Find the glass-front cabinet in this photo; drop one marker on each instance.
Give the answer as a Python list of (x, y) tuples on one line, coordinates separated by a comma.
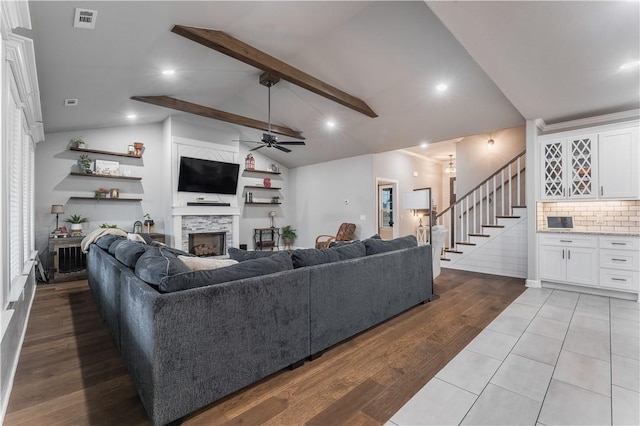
[(568, 168)]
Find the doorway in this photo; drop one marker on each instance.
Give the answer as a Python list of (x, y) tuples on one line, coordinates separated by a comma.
[(386, 218)]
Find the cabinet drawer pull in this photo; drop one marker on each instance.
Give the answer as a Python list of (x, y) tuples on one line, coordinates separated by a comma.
[(618, 260), (619, 279), (613, 243), (566, 241)]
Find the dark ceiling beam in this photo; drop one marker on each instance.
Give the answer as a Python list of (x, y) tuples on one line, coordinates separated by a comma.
[(224, 43), (216, 114)]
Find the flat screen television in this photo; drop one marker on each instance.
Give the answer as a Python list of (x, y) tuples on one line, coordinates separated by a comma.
[(206, 176)]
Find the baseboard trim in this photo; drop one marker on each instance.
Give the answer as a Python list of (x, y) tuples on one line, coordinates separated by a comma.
[(533, 283), (591, 290)]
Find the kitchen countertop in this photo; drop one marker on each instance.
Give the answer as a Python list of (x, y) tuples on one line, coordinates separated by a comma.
[(571, 231)]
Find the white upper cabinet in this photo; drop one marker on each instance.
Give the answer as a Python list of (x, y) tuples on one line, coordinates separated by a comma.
[(618, 163), (568, 168), (591, 165)]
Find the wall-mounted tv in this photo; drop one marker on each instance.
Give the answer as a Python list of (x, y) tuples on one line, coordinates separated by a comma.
[(206, 176)]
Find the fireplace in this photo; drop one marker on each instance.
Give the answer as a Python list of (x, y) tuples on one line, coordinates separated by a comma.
[(205, 244)]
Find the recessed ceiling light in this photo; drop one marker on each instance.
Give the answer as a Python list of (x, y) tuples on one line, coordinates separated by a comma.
[(424, 145), (168, 72), (441, 87), (629, 65), (331, 124), (131, 116)]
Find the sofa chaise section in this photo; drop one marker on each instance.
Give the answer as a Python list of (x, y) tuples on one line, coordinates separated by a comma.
[(189, 348)]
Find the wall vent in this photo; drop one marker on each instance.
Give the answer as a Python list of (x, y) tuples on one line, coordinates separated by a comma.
[(70, 102), (85, 18)]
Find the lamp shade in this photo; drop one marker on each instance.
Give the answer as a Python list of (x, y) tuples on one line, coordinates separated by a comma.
[(57, 208), (417, 200), (272, 213)]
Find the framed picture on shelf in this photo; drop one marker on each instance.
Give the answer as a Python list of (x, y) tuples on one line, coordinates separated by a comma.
[(111, 168)]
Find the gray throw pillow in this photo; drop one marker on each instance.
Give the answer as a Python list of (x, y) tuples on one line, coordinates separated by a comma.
[(310, 257), (375, 246), (280, 261), (114, 245), (128, 252), (157, 263), (242, 255), (105, 241)]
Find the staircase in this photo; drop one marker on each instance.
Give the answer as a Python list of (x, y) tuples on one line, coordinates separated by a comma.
[(487, 226)]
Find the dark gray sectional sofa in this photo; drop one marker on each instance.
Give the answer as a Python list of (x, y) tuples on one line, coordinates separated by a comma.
[(188, 343)]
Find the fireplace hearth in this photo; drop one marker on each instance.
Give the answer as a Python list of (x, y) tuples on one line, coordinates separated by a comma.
[(205, 244)]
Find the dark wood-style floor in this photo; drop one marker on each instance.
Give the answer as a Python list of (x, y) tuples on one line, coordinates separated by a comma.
[(70, 372)]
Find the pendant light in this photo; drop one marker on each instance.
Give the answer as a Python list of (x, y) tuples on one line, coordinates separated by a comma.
[(451, 170)]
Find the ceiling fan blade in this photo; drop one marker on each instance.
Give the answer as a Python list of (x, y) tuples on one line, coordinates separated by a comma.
[(281, 148), (292, 143), (240, 140), (257, 147)]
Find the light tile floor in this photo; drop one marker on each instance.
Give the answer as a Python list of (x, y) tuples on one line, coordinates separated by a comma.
[(551, 358)]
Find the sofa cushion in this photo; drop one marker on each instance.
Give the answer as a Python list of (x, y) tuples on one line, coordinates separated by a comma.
[(242, 255), (105, 241), (114, 245), (375, 246), (203, 263), (157, 263), (351, 251), (280, 261), (310, 257), (128, 252)]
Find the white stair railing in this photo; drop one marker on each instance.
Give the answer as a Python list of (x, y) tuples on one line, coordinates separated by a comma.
[(492, 198)]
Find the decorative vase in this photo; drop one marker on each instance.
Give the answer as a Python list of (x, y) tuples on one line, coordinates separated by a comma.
[(267, 182), (138, 148), (249, 162)]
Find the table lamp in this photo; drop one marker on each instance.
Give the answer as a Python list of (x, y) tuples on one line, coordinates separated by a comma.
[(419, 200), (57, 209), (272, 215)]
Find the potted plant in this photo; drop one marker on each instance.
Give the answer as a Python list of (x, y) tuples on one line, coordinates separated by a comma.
[(84, 163), (288, 235), (100, 193), (78, 143), (76, 222)]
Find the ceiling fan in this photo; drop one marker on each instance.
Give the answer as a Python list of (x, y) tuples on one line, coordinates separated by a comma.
[(268, 139)]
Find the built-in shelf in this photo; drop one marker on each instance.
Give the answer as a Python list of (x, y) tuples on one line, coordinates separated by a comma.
[(105, 199), (105, 176), (262, 187), (264, 203), (267, 172), (98, 151)]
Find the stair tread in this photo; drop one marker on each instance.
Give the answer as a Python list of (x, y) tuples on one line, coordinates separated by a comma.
[(465, 243), (493, 226), (453, 251), (518, 207), (507, 217), (479, 235), (445, 259)]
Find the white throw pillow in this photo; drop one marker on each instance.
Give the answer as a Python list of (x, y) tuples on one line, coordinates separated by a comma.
[(205, 263)]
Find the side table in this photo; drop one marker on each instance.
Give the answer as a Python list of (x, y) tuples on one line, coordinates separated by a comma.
[(264, 238)]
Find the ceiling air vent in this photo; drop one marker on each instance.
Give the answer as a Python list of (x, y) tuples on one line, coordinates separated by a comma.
[(85, 18), (70, 102)]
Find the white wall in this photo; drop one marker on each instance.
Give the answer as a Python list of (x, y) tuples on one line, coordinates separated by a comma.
[(319, 192), (475, 161), (54, 185), (400, 167)]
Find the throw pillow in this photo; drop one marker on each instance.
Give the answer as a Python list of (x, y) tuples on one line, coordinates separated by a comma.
[(105, 241), (310, 257), (157, 263), (114, 245), (374, 246), (204, 263), (242, 255), (128, 252), (280, 261)]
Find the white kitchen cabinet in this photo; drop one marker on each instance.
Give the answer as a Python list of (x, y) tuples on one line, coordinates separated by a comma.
[(569, 166), (618, 163), (571, 259), (620, 263)]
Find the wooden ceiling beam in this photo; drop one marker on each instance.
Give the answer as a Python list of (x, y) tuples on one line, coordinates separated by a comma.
[(216, 114), (230, 46)]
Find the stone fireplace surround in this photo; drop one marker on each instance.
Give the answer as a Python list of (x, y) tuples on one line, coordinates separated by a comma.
[(203, 219)]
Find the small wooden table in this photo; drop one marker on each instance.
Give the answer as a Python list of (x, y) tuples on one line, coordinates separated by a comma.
[(264, 238)]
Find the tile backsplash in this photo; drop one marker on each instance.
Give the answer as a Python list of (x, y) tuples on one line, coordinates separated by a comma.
[(593, 216)]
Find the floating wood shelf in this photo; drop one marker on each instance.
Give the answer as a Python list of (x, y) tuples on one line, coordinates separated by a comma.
[(105, 176), (264, 203), (268, 172), (105, 199), (261, 187), (97, 151)]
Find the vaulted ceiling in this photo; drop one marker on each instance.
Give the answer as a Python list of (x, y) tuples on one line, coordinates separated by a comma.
[(503, 62)]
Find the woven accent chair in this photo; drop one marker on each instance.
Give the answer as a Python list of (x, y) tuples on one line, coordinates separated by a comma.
[(346, 232)]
